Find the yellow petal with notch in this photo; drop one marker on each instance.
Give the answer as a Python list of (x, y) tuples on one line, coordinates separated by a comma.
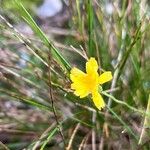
[(105, 77)]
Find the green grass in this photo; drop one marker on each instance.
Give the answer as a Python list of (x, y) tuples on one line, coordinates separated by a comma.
[(38, 110)]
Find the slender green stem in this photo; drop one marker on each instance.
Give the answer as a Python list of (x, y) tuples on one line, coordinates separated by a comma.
[(123, 123), (121, 102)]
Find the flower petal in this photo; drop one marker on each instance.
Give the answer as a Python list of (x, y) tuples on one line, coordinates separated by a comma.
[(79, 83), (77, 74), (105, 77), (91, 66), (98, 100), (81, 92)]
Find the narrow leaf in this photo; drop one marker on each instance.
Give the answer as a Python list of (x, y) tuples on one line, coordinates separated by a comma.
[(28, 18)]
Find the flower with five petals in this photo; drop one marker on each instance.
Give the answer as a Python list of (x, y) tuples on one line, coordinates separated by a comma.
[(87, 83)]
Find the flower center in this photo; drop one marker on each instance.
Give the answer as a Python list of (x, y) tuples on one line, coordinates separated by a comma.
[(91, 81)]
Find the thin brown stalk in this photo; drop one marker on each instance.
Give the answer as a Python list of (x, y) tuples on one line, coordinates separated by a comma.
[(80, 53), (52, 100)]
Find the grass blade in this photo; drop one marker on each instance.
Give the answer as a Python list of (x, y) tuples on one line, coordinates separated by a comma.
[(24, 99), (48, 138), (90, 28), (28, 18), (123, 123)]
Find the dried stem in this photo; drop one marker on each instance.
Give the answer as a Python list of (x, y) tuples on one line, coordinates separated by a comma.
[(72, 137), (52, 100)]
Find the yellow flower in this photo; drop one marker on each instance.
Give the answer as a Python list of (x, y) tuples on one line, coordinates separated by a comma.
[(88, 83)]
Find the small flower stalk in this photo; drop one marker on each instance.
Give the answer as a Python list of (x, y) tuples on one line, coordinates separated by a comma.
[(87, 83)]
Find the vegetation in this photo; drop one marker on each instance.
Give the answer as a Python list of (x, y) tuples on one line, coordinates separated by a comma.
[(38, 108)]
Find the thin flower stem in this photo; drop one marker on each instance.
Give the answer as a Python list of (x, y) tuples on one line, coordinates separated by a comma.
[(112, 90), (121, 102), (122, 122), (124, 103)]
